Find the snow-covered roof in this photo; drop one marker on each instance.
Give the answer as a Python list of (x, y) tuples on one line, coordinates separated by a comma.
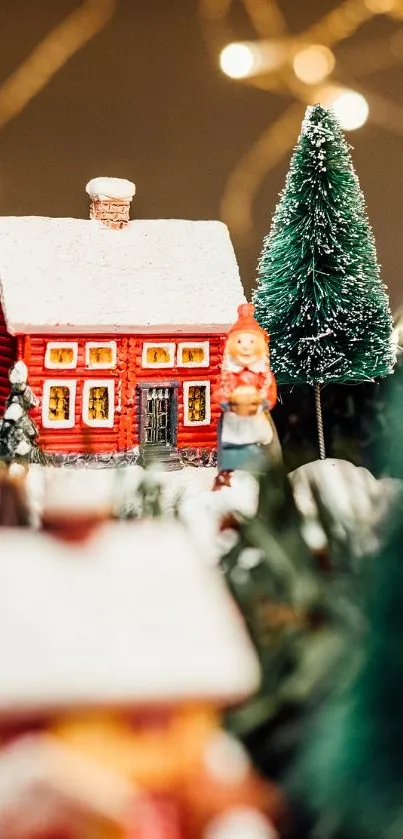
[(132, 617), (75, 275)]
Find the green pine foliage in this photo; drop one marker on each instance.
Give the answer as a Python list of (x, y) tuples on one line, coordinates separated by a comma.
[(299, 606), (350, 770), (319, 293), (352, 774)]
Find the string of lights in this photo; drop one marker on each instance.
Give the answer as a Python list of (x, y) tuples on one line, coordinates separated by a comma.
[(306, 67)]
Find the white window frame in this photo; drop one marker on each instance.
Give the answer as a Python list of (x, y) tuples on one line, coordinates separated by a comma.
[(90, 383), (197, 345), (199, 383), (158, 365), (91, 345), (47, 385), (58, 345)]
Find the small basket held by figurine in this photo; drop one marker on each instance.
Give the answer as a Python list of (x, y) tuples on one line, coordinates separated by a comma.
[(245, 401)]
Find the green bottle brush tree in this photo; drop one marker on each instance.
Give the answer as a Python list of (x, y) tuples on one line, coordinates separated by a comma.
[(319, 294)]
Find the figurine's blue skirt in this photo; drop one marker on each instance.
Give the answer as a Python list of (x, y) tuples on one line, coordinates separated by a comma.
[(240, 457), (231, 457)]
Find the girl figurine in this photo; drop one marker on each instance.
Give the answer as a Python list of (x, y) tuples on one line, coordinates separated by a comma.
[(247, 393)]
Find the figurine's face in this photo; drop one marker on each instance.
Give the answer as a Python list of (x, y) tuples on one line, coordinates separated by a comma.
[(247, 347)]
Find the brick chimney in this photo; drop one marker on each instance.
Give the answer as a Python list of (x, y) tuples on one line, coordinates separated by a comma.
[(110, 201)]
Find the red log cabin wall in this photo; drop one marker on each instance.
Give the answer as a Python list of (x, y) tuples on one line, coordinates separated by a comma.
[(133, 366), (8, 351)]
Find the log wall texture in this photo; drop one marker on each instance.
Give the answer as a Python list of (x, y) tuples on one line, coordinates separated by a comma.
[(8, 351), (127, 375)]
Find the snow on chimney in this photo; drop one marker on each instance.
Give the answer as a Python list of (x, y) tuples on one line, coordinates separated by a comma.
[(110, 201)]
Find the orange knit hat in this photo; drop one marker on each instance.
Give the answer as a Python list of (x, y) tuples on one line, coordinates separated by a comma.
[(246, 322)]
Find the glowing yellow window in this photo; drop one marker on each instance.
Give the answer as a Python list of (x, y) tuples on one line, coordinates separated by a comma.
[(101, 355), (197, 401), (193, 355), (61, 355), (157, 355), (98, 403), (59, 403)]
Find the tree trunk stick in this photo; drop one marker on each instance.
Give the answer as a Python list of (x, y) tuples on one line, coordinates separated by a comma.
[(319, 422)]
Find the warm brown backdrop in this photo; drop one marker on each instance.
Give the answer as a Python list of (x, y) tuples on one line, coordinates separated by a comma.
[(145, 100)]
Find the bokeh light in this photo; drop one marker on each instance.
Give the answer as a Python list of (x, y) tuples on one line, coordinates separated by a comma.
[(237, 60), (350, 107), (313, 64), (243, 59)]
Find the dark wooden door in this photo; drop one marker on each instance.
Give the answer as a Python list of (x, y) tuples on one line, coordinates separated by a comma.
[(158, 430), (158, 414)]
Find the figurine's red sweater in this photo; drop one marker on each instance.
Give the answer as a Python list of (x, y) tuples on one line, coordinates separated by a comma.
[(262, 380)]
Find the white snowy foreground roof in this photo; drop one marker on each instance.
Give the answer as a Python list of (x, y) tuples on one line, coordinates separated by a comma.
[(74, 275), (133, 617)]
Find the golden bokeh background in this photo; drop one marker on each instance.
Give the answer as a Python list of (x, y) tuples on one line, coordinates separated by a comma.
[(200, 102)]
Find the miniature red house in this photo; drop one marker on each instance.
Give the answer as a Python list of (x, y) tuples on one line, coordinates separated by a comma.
[(110, 698), (121, 324)]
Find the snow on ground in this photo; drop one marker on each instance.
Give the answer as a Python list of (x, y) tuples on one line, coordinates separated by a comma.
[(356, 499), (187, 490), (203, 513), (58, 486)]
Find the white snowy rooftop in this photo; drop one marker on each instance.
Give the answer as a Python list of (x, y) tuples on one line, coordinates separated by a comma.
[(133, 617), (74, 275)]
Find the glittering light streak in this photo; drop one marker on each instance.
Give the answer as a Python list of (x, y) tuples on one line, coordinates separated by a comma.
[(379, 7), (339, 24), (244, 181), (51, 54), (333, 27), (267, 18)]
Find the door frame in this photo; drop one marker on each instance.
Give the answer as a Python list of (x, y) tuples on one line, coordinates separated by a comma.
[(143, 387)]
